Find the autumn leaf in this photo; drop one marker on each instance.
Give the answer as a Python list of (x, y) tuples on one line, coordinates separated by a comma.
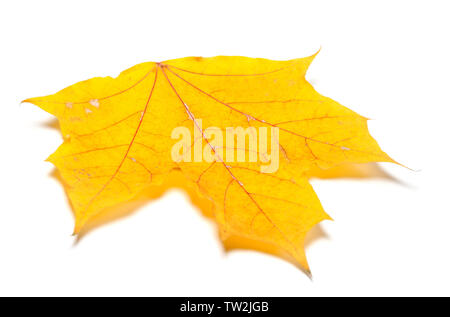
[(119, 141)]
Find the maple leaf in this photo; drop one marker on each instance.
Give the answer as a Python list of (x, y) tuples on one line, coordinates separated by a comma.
[(118, 141)]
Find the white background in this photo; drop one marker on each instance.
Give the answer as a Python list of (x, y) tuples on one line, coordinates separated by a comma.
[(387, 60)]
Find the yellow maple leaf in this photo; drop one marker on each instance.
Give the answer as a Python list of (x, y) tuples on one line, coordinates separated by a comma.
[(119, 140)]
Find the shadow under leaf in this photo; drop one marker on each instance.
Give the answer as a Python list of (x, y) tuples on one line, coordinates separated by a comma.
[(206, 207)]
